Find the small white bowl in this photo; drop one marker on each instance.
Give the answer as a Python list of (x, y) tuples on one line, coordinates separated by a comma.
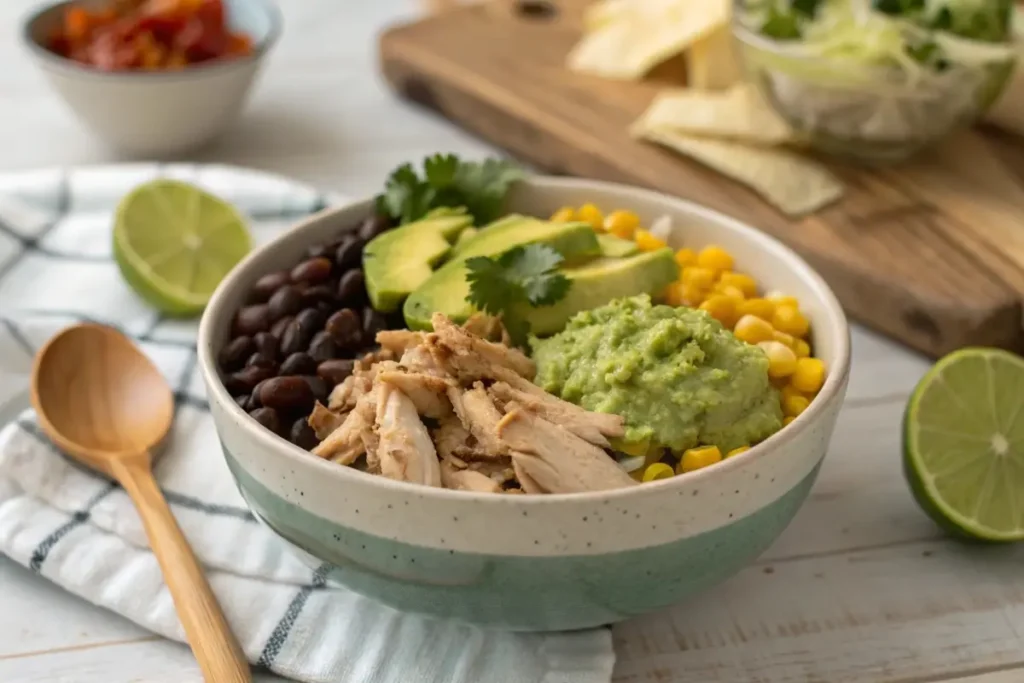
[(157, 113)]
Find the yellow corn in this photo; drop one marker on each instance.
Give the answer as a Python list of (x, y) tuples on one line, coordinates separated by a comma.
[(697, 458), (674, 294), (622, 223), (787, 339), (721, 308), (634, 448), (648, 242), (762, 308), (792, 406), (789, 390), (715, 257), (789, 319), (563, 215), (801, 348), (658, 470), (781, 359), (752, 329), (782, 300), (787, 421), (744, 282), (588, 213), (809, 375), (731, 291), (737, 451), (693, 296), (686, 257), (696, 276)]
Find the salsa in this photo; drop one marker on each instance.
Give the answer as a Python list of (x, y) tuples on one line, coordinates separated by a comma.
[(151, 35)]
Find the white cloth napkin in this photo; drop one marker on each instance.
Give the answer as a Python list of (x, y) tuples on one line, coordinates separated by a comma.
[(79, 530)]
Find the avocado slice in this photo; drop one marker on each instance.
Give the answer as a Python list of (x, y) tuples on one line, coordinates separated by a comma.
[(464, 237), (398, 261), (446, 290), (601, 280), (616, 247)]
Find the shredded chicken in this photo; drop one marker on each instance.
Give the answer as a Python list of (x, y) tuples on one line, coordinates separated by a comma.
[(345, 444), (463, 479), (488, 327), (427, 392), (405, 450), (324, 421), (462, 343), (478, 415), (399, 341), (593, 427)]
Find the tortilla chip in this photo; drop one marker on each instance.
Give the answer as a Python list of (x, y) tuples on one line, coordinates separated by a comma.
[(794, 185), (740, 113), (626, 41), (712, 63)]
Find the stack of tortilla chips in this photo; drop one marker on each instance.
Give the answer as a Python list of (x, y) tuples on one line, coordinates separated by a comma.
[(718, 119)]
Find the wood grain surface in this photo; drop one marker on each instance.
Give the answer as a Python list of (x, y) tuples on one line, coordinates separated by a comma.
[(930, 252)]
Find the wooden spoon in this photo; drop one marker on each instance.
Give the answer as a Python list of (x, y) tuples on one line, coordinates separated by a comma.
[(101, 401)]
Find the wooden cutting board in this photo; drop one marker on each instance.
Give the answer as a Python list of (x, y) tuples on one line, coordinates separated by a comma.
[(930, 252)]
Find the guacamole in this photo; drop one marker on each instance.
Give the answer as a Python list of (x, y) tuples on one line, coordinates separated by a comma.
[(675, 375)]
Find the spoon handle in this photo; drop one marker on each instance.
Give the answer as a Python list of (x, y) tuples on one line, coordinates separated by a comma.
[(213, 644)]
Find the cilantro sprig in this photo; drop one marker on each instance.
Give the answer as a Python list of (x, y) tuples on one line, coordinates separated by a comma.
[(447, 181), (523, 276)]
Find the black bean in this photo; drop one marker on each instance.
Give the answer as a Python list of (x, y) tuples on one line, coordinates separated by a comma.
[(322, 347), (278, 328), (243, 402), (262, 361), (373, 226), (268, 418), (299, 363), (318, 250), (287, 394), (243, 381), (302, 435), (318, 386), (268, 284), (295, 338), (311, 296), (286, 301), (326, 307), (350, 252), (254, 397), (267, 344), (346, 329), (310, 320), (252, 319), (373, 322), (234, 353), (334, 372), (313, 271), (352, 288)]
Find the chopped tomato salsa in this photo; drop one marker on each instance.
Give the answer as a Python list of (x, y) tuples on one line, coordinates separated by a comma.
[(148, 35)]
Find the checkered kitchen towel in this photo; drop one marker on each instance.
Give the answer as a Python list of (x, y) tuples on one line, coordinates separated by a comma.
[(79, 530)]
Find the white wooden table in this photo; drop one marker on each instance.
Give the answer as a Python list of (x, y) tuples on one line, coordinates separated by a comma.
[(861, 587)]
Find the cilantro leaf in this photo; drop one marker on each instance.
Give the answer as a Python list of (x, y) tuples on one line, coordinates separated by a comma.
[(480, 187), (522, 277)]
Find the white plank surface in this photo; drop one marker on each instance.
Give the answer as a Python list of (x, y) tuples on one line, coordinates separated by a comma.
[(861, 587)]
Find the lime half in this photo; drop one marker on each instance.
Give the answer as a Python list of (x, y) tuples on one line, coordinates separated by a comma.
[(174, 243), (963, 449)]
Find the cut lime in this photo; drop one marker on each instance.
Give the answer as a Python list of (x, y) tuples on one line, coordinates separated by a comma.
[(963, 447), (174, 243)]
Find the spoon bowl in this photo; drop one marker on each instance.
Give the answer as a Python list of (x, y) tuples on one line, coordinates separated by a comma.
[(102, 402)]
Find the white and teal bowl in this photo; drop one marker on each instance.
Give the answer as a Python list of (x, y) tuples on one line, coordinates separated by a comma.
[(536, 563)]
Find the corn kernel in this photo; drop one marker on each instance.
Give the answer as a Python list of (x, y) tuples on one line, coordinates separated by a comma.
[(563, 215), (781, 359), (588, 213), (715, 257), (703, 278), (693, 296), (674, 294), (648, 242), (801, 348), (737, 451), (752, 329), (686, 257), (731, 291), (762, 308), (634, 448), (744, 282), (789, 390), (622, 223), (697, 458), (721, 308), (809, 375), (794, 405), (790, 320), (787, 421), (780, 299), (658, 470)]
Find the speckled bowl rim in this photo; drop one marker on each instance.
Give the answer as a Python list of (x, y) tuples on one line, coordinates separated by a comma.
[(831, 391), (52, 60)]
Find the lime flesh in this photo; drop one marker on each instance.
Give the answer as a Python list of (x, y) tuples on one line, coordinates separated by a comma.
[(174, 243), (964, 444)]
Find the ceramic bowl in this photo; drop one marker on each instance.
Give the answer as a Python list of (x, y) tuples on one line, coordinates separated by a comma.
[(157, 114), (536, 563)]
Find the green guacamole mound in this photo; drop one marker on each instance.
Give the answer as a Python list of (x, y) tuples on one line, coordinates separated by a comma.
[(676, 376)]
